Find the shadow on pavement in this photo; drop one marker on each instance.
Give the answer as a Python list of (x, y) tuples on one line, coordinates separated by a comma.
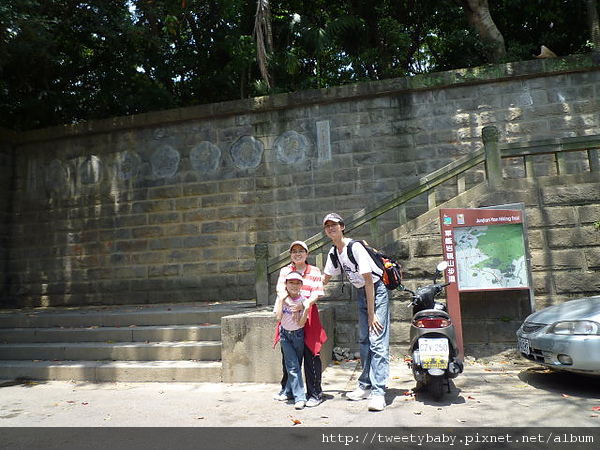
[(572, 384), (21, 381)]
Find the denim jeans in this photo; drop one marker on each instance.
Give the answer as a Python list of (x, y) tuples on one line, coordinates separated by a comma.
[(374, 348), (292, 344)]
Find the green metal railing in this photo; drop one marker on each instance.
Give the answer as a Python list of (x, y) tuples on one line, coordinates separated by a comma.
[(490, 155)]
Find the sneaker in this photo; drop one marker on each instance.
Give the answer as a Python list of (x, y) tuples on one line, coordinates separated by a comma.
[(281, 397), (299, 405), (313, 401), (359, 394), (377, 403)]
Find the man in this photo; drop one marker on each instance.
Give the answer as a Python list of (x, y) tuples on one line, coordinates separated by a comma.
[(373, 311)]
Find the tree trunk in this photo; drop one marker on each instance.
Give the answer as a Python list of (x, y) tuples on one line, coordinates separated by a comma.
[(593, 23), (264, 40), (478, 16)]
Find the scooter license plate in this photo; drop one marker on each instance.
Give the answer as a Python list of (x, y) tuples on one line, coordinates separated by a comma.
[(434, 353)]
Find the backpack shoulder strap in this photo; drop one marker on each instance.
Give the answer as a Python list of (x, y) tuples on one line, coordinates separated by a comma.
[(349, 252), (335, 260)]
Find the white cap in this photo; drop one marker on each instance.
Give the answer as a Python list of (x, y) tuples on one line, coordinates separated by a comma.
[(294, 276), (301, 244), (333, 217)]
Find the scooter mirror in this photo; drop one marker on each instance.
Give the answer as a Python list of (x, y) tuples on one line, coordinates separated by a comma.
[(442, 266)]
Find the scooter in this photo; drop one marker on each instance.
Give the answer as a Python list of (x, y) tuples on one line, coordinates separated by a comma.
[(433, 343)]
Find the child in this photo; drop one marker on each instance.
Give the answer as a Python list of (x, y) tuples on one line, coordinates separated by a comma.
[(292, 315)]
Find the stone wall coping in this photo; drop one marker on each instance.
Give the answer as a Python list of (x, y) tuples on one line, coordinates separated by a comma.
[(351, 92)]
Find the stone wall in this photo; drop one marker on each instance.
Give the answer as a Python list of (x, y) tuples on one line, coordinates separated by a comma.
[(6, 179), (168, 206), (563, 243)]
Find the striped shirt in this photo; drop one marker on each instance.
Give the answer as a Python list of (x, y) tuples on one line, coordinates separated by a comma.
[(312, 280)]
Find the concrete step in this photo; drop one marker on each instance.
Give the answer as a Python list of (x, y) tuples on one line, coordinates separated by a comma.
[(204, 332), (115, 351), (113, 371), (121, 316), (168, 342)]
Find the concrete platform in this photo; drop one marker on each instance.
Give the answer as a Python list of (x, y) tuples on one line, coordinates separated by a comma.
[(488, 394)]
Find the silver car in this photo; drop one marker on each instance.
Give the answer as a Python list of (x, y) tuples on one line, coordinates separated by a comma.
[(565, 336)]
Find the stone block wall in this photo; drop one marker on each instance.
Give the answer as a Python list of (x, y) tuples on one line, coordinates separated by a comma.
[(561, 215), (168, 206), (6, 180)]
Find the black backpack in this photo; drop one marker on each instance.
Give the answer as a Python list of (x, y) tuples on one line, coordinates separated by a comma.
[(392, 271)]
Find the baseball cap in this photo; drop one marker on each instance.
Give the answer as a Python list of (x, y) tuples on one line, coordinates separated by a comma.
[(333, 217), (301, 244), (294, 276)]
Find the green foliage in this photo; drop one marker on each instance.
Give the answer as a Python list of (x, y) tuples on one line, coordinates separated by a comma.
[(67, 61)]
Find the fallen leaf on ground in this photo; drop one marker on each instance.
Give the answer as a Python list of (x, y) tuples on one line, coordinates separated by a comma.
[(417, 413), (565, 395), (596, 408), (296, 421)]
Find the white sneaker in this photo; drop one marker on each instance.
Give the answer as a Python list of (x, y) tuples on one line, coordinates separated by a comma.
[(313, 402), (299, 405), (280, 397), (359, 394), (377, 403)]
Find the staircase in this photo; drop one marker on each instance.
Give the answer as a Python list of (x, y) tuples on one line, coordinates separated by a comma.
[(135, 343)]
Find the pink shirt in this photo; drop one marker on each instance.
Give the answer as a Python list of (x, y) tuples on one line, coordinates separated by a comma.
[(289, 318)]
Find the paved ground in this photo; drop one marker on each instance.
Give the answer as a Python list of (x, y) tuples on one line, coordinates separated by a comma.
[(511, 393)]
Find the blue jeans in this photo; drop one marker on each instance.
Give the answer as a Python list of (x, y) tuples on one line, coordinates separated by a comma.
[(292, 344), (374, 348)]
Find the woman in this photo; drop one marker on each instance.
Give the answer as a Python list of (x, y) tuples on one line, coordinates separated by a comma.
[(314, 334)]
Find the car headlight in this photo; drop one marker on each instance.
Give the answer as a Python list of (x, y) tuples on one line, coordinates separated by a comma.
[(585, 327)]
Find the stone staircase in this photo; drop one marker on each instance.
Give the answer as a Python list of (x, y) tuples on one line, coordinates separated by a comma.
[(135, 343)]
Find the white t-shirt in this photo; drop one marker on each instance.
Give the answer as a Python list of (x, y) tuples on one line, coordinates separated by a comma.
[(364, 264)]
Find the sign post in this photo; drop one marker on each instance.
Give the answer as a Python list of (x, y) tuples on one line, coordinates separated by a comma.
[(485, 251)]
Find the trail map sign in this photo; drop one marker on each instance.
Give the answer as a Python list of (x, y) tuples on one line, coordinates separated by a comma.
[(490, 257), (485, 250)]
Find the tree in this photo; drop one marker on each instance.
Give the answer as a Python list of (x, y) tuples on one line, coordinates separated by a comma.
[(479, 16), (67, 61), (264, 39), (593, 23)]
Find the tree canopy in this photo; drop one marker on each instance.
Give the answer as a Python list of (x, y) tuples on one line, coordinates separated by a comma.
[(67, 61)]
